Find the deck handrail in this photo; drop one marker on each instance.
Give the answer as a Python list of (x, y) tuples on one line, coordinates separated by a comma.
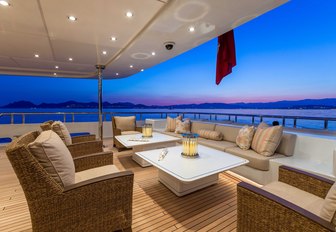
[(196, 115)]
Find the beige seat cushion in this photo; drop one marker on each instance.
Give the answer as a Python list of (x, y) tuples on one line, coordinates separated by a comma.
[(95, 172), (287, 144), (182, 127), (53, 155), (266, 139), (245, 136), (328, 210), (171, 134), (125, 123), (305, 200), (59, 128), (229, 132), (171, 123), (257, 161), (130, 132), (219, 145), (196, 126), (210, 134)]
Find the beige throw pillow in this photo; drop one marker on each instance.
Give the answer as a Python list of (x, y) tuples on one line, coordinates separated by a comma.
[(182, 127), (53, 155), (245, 136), (266, 139), (329, 207), (59, 128), (125, 123), (171, 123), (209, 134)]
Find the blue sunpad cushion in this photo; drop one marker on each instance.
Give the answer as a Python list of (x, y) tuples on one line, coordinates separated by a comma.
[(5, 140), (79, 134)]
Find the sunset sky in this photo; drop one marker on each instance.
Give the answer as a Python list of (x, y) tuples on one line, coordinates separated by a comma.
[(286, 54)]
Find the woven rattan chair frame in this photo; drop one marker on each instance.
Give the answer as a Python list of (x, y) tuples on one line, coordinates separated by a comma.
[(98, 204), (259, 210)]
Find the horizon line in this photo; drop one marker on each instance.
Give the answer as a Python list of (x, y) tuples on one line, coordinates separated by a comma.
[(169, 104)]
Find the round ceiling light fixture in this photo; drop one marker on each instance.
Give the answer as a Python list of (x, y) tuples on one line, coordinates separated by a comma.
[(113, 38), (104, 52), (153, 53), (199, 9), (4, 3), (70, 59), (131, 66), (55, 74), (141, 56), (36, 55), (56, 67), (142, 70), (117, 74), (72, 18)]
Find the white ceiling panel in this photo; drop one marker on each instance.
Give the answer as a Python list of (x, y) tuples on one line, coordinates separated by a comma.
[(14, 44), (97, 20), (50, 65), (79, 52), (7, 62), (24, 17)]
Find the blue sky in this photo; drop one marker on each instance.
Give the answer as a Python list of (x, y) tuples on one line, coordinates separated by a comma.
[(286, 54)]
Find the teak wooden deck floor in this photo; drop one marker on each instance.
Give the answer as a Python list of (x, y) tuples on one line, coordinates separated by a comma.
[(155, 208)]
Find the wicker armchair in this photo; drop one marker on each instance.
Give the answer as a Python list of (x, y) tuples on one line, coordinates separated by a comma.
[(103, 203), (260, 210), (118, 131), (75, 139), (81, 145)]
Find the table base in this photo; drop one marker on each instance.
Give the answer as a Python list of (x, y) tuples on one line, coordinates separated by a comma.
[(181, 188)]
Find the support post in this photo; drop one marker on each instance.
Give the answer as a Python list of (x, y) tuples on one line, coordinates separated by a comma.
[(100, 100), (325, 124)]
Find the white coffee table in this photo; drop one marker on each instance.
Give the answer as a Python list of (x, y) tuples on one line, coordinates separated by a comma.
[(184, 175), (157, 141)]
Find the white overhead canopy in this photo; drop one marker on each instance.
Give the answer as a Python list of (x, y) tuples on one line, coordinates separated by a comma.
[(42, 27)]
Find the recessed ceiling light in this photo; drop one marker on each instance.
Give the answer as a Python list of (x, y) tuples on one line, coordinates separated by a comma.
[(56, 67), (113, 38), (37, 55), (131, 66), (117, 74), (4, 3), (70, 59), (55, 74), (72, 18), (153, 53), (129, 14), (104, 52), (142, 70), (191, 29)]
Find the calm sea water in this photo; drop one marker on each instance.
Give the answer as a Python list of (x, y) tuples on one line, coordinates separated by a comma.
[(156, 113)]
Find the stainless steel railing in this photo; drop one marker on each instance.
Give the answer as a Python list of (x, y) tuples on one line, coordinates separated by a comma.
[(323, 123)]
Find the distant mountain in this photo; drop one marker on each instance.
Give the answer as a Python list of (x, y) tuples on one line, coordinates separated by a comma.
[(68, 104), (299, 104), (20, 104), (73, 104), (327, 103)]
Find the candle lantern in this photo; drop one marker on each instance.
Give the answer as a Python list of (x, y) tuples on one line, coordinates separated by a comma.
[(189, 145), (147, 130)]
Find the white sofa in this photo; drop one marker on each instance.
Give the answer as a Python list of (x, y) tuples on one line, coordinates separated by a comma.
[(308, 152)]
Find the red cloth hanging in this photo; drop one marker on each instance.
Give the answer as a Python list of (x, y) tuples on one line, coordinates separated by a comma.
[(226, 55)]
